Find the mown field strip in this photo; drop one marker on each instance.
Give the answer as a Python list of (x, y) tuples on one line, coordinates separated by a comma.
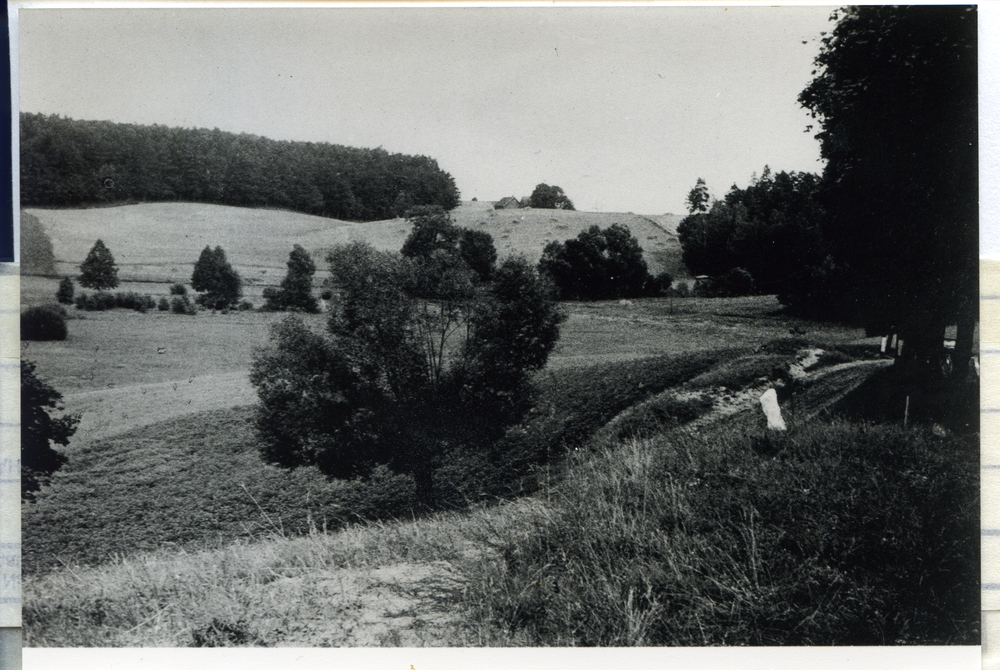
[(114, 411)]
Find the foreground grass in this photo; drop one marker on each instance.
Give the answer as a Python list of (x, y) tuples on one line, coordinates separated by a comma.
[(242, 594), (834, 533)]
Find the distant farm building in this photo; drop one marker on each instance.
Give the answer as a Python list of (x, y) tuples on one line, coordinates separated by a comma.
[(510, 202)]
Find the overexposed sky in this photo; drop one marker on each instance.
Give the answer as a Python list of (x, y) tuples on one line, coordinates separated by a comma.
[(623, 107)]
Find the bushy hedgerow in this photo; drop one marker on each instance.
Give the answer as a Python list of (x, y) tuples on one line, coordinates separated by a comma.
[(45, 322), (103, 301)]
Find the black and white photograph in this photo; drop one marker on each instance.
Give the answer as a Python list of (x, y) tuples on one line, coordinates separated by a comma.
[(499, 326)]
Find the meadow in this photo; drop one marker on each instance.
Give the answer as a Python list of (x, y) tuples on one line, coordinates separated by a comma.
[(641, 502), (160, 242)]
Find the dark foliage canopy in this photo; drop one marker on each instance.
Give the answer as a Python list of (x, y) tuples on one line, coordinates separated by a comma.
[(435, 233), (98, 270), (43, 322), (216, 280), (597, 265), (550, 197), (433, 230), (477, 249), (40, 430), (295, 292), (771, 229), (65, 292), (418, 361), (896, 94), (71, 163)]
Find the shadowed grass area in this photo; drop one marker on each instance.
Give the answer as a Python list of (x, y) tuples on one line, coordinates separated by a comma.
[(192, 482)]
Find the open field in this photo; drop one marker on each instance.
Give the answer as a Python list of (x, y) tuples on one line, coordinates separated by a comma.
[(110, 370), (160, 242)]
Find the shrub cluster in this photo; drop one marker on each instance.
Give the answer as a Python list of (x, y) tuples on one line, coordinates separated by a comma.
[(103, 300), (599, 265), (46, 322), (183, 305), (735, 282)]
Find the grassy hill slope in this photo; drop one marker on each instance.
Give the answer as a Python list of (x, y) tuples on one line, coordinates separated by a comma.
[(161, 241)]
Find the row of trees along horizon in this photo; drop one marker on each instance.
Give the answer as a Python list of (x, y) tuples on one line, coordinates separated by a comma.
[(66, 162), (886, 237)]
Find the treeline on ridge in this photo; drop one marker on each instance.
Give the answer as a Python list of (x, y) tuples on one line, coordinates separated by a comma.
[(66, 162)]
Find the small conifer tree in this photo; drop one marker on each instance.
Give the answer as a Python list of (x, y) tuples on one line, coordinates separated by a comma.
[(65, 292), (98, 271)]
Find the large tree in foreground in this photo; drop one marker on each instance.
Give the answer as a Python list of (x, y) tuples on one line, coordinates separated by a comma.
[(419, 361), (896, 94)]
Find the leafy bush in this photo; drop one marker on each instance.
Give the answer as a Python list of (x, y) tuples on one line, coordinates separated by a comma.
[(414, 348), (45, 322), (245, 306), (65, 292), (178, 289), (598, 265), (549, 197), (98, 270), (218, 284), (163, 305), (182, 305)]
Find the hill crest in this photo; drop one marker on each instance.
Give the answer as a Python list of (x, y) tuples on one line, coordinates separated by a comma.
[(161, 241)]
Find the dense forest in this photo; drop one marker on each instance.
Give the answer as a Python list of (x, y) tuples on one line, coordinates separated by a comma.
[(65, 162)]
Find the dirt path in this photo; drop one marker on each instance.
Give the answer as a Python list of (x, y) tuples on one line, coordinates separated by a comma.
[(119, 409), (402, 605)]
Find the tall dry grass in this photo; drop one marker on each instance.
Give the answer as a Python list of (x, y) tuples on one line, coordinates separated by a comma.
[(835, 533)]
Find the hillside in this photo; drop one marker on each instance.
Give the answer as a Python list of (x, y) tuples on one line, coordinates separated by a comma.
[(160, 242)]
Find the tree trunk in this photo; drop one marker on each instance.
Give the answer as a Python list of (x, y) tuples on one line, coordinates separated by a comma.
[(963, 345)]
